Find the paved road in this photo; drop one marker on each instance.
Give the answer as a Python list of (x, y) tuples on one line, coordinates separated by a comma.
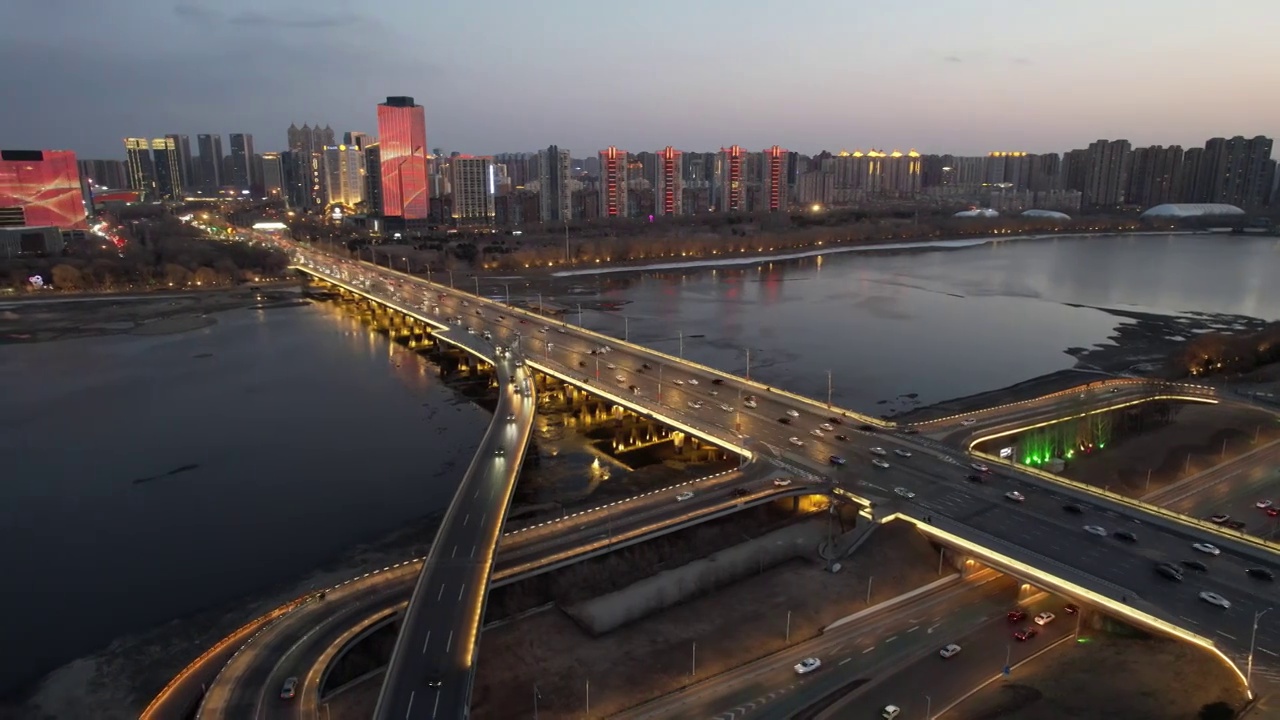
[(1233, 488), (928, 683), (850, 652)]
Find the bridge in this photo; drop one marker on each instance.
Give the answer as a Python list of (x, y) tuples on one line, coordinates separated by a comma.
[(744, 417)]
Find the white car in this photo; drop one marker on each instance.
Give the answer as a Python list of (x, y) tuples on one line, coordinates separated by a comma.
[(1044, 618), (686, 495), (1207, 549), (949, 651), (890, 712), (979, 467), (693, 381), (793, 413), (695, 404), (611, 366), (1096, 530), (968, 421), (904, 493), (679, 382), (816, 433), (782, 482), (879, 463), (829, 427), (902, 453), (619, 378), (1015, 496), (796, 441), (751, 404), (1215, 599), (544, 330), (808, 665), (1262, 504), (878, 451), (726, 408)]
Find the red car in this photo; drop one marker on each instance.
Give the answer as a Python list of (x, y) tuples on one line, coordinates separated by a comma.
[(1273, 512), (1026, 633), (1017, 616), (1071, 609)]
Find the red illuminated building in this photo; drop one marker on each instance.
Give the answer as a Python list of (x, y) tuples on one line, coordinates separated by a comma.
[(402, 141), (41, 188), (613, 182), (775, 179), (732, 162), (670, 190)]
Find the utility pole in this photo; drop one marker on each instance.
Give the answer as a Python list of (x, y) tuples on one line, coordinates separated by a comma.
[(748, 363), (681, 335), (1253, 639), (828, 389), (788, 627)]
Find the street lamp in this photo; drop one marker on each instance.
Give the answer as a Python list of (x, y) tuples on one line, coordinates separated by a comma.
[(579, 315), (477, 279), (539, 303), (508, 289), (1253, 639), (450, 278), (428, 272), (681, 335), (928, 708), (828, 389)]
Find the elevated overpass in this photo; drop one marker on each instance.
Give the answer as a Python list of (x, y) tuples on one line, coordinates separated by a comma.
[(715, 405)]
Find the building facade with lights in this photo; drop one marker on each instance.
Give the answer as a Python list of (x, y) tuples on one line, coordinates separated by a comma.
[(613, 182), (473, 181), (41, 188), (344, 173), (731, 179), (166, 163), (669, 188), (402, 142), (774, 179)]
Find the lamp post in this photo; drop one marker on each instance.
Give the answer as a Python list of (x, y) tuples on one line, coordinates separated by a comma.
[(681, 335), (928, 708), (539, 303), (450, 279), (535, 701), (626, 329), (579, 314), (428, 272), (788, 627), (873, 577), (828, 389), (1253, 639), (748, 363), (477, 279), (407, 271), (507, 288)]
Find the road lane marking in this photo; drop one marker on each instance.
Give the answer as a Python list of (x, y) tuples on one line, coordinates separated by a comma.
[(895, 637), (441, 593), (409, 709), (1232, 637), (465, 519), (473, 551), (1269, 652), (873, 647), (436, 706), (932, 628), (455, 552), (449, 645), (460, 589), (424, 643), (845, 660), (917, 627)]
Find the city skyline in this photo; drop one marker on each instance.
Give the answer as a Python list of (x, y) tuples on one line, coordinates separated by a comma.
[(940, 85)]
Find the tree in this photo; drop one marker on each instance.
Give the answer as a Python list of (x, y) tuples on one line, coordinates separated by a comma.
[(1217, 711), (206, 277), (66, 277)]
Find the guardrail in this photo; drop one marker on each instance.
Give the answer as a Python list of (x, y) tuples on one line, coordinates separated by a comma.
[(1190, 522)]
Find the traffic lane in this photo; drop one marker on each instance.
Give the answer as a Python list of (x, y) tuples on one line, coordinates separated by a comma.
[(1238, 501), (984, 653), (750, 682), (1230, 481), (299, 660)]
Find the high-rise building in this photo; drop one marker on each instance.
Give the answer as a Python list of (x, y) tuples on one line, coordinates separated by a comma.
[(137, 152), (613, 182), (167, 165), (241, 161), (1155, 176), (730, 179), (273, 178), (210, 147), (40, 188), (669, 189), (1106, 173), (1238, 171), (774, 176), (344, 172), (473, 182), (104, 173), (554, 196), (356, 139), (182, 144), (402, 138), (373, 179)]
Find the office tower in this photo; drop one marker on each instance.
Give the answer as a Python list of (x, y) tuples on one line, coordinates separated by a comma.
[(356, 139), (241, 161), (344, 175), (1238, 171), (167, 166), (613, 182), (273, 177), (41, 188), (473, 182), (402, 138), (104, 173), (729, 179), (1106, 173), (210, 164), (373, 179), (554, 198), (182, 145), (138, 159), (669, 190), (774, 177)]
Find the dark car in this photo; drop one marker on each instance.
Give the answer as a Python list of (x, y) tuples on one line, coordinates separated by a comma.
[(868, 428), (842, 438), (834, 420), (717, 381), (1026, 633), (1260, 574), (1166, 570), (1235, 524), (836, 460), (646, 366), (1195, 565), (911, 431), (582, 363), (1124, 535), (741, 492), (1016, 616), (973, 477), (784, 420), (432, 680), (1073, 509), (1071, 609)]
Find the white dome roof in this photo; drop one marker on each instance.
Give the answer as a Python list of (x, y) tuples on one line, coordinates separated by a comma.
[(1046, 214), (977, 213), (1192, 210)]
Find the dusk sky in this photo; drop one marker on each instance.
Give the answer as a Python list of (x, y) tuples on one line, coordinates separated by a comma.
[(511, 75)]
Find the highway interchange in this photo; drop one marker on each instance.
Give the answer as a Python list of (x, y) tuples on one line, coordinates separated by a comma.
[(934, 473)]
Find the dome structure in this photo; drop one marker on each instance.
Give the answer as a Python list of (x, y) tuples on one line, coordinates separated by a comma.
[(1047, 214), (977, 213), (1186, 210)]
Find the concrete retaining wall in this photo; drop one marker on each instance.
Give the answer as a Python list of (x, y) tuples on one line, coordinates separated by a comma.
[(671, 587)]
